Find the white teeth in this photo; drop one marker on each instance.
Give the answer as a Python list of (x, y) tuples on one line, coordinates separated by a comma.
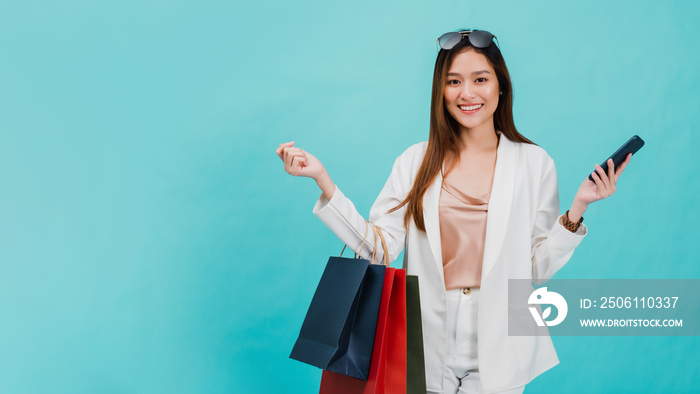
[(470, 107)]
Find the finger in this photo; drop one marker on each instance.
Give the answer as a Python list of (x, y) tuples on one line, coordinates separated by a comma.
[(279, 152), (597, 181), (611, 176), (287, 152), (281, 148), (602, 191), (288, 157), (290, 154), (296, 165), (603, 176)]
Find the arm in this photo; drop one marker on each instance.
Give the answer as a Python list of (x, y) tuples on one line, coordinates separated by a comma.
[(552, 244), (300, 163), (340, 214), (552, 249), (326, 185)]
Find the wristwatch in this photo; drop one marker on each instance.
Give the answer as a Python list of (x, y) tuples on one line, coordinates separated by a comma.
[(569, 225)]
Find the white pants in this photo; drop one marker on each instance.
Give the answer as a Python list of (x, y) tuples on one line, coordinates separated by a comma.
[(462, 363)]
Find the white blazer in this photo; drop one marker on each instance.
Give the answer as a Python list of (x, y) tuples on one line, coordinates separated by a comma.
[(524, 240)]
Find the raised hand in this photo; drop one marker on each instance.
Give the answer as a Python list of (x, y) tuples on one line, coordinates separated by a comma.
[(603, 185), (298, 162)]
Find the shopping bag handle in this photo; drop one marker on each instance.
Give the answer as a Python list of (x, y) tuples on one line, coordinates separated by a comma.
[(377, 232), (363, 242)]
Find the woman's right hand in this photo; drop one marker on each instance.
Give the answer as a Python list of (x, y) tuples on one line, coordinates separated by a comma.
[(298, 162)]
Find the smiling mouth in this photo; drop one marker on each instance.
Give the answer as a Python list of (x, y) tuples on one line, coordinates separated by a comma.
[(470, 107)]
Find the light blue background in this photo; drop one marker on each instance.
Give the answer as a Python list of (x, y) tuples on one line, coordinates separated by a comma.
[(150, 241)]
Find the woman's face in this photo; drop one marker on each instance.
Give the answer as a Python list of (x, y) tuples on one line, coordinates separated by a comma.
[(471, 90)]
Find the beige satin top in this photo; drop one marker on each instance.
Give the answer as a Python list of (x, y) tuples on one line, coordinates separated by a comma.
[(462, 234)]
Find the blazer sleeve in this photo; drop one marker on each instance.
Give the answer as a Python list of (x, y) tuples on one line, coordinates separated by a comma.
[(341, 216), (552, 244)]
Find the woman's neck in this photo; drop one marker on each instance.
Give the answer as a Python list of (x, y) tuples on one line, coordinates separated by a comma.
[(482, 139)]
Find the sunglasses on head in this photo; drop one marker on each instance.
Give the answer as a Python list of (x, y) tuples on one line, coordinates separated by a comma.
[(478, 39)]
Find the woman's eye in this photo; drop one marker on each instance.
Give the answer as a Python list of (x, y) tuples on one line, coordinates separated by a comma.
[(480, 80), (452, 82)]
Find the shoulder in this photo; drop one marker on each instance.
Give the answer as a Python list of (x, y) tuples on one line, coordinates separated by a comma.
[(533, 161), (412, 155), (533, 154), (415, 150), (407, 164)]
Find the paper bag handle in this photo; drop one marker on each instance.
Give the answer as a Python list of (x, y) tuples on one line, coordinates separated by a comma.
[(377, 232)]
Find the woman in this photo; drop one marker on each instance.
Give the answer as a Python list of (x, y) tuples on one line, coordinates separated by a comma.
[(475, 205)]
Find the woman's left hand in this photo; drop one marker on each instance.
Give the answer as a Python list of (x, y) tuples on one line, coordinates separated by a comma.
[(603, 184)]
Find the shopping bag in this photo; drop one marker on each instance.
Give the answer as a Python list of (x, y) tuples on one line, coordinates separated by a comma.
[(387, 374), (395, 366), (415, 367), (339, 327)]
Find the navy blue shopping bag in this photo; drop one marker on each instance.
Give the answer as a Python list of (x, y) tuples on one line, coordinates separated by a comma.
[(338, 331)]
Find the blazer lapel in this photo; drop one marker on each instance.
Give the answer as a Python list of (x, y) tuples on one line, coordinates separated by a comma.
[(498, 212), (431, 216), (499, 203)]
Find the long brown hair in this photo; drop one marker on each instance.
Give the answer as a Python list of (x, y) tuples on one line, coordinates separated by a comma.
[(444, 131)]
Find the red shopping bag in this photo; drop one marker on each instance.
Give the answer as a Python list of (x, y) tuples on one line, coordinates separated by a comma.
[(387, 370)]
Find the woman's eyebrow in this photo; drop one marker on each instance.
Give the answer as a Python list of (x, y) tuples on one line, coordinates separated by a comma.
[(454, 74)]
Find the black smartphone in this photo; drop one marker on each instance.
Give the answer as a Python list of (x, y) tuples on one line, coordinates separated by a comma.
[(631, 146)]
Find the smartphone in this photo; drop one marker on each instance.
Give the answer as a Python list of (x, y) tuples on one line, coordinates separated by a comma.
[(631, 146)]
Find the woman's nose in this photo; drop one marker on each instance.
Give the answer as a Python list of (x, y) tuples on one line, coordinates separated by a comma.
[(468, 91)]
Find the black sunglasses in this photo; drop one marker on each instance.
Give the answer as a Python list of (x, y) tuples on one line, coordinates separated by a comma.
[(478, 38)]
